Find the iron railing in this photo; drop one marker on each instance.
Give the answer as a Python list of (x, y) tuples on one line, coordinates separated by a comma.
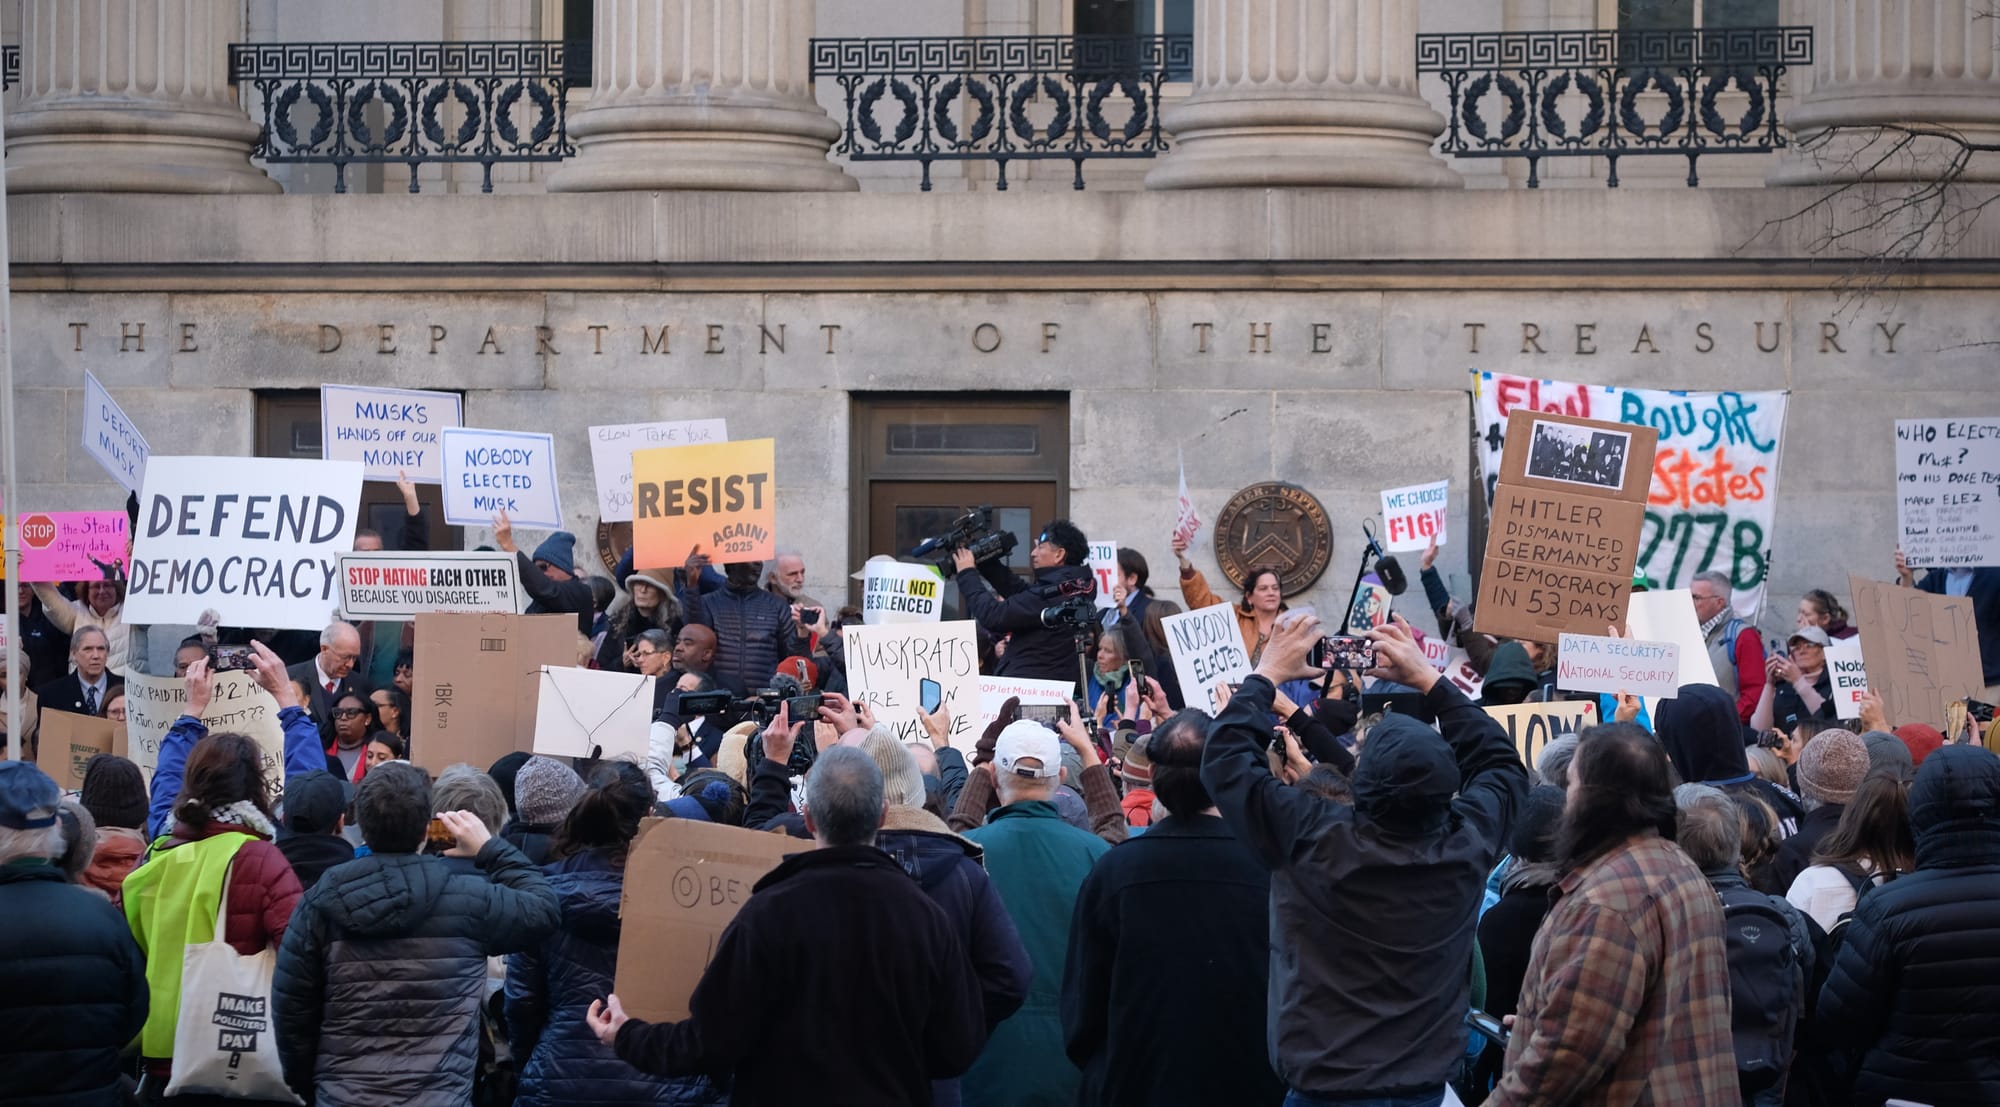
[(10, 65), (1002, 98), (410, 103), (1614, 94)]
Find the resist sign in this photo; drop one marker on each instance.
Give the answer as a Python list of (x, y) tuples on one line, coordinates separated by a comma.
[(1208, 652), (259, 541), (719, 498), (1412, 516), (387, 430), (487, 472)]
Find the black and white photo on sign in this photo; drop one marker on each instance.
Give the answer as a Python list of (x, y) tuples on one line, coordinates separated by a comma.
[(1578, 455)]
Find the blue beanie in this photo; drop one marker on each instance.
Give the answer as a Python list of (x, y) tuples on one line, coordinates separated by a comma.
[(559, 550)]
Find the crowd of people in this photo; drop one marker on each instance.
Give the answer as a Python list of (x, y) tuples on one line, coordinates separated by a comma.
[(1298, 897)]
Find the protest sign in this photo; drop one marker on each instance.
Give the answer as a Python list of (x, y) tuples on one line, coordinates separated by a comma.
[(1669, 617), (888, 665), (257, 541), (1712, 498), (1104, 566), (1565, 527), (994, 692), (1207, 646), (721, 499), (237, 703), (1850, 675), (1921, 650), (475, 691), (1531, 726), (487, 472), (590, 712), (1187, 520), (1459, 671), (1948, 491), (390, 431), (611, 456), (897, 592), (74, 545), (112, 438), (1414, 515), (68, 741), (684, 881), (1593, 663), (1371, 609), (395, 584)]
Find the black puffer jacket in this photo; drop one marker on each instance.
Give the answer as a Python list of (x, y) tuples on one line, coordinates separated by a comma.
[(754, 630), (1002, 605), (1916, 984), (72, 991), (383, 970)]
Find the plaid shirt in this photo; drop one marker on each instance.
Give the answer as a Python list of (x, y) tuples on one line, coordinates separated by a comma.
[(1626, 999)]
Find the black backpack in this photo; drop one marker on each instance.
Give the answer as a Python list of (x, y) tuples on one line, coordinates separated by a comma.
[(1766, 987)]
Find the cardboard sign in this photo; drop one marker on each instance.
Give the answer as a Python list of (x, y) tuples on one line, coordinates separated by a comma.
[(994, 692), (684, 881), (1948, 491), (611, 456), (898, 592), (578, 710), (1921, 650), (1564, 534), (1207, 646), (476, 688), (74, 545), (1533, 725), (395, 585), (390, 431), (1592, 663), (259, 541), (237, 704), (1412, 516), (887, 665), (487, 472), (69, 741), (111, 437), (1104, 564), (721, 499), (1850, 675), (1459, 671)]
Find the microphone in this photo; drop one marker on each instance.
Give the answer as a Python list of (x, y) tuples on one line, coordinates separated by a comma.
[(1386, 567)]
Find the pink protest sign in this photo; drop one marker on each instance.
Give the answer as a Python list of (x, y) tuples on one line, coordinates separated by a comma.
[(74, 545)]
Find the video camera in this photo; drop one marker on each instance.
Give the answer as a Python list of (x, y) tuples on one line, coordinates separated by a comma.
[(974, 531), (761, 705), (1078, 613)]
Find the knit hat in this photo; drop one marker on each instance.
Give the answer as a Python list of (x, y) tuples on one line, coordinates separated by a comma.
[(1138, 768), (114, 792), (800, 669), (559, 550), (1887, 753), (1922, 738), (544, 790), (1832, 765), (702, 807), (503, 773)]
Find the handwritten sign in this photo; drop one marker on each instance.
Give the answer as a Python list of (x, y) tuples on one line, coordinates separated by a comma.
[(388, 430), (897, 592), (1208, 651), (588, 712), (487, 472), (1104, 565), (74, 545), (1921, 650), (887, 665), (721, 498), (611, 456), (112, 438), (238, 704), (1592, 663), (1459, 671), (1531, 726), (68, 741), (1850, 676), (396, 585), (1712, 498), (257, 542), (684, 881), (1414, 515), (1948, 491)]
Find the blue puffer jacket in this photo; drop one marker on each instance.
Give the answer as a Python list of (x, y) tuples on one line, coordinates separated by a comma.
[(754, 630), (551, 986)]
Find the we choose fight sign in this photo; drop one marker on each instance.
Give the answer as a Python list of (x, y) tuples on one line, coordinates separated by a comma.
[(258, 541)]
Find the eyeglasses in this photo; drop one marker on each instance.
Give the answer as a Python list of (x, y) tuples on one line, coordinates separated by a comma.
[(348, 712), (646, 653)]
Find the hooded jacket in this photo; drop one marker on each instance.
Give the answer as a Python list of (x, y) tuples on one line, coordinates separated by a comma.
[(1915, 985), (1510, 665), (383, 969), (1704, 739), (1373, 906), (72, 991), (1003, 605), (754, 630)]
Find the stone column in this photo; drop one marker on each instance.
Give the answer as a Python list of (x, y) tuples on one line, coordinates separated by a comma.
[(129, 96), (1919, 63), (702, 94), (1303, 93)]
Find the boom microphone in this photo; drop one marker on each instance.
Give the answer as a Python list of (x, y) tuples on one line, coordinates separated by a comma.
[(1386, 566)]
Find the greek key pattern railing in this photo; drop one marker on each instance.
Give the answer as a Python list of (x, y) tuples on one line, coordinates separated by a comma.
[(1001, 98), (10, 65), (410, 103), (1613, 94)]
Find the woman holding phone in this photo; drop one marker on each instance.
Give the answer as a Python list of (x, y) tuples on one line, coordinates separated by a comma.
[(1799, 686)]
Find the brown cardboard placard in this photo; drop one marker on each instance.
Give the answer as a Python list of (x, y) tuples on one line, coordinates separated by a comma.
[(1533, 725), (684, 882), (1921, 650), (1565, 531), (474, 692), (69, 741), (1565, 453)]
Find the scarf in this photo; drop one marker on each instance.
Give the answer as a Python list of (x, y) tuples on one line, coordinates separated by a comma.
[(243, 813), (1721, 617), (1113, 680)]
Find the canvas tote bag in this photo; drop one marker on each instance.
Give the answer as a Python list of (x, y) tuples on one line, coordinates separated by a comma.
[(225, 1039)]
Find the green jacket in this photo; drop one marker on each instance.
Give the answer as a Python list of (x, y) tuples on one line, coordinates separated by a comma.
[(171, 902), (1038, 862)]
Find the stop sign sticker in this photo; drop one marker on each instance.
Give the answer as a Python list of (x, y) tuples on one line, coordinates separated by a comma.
[(38, 532)]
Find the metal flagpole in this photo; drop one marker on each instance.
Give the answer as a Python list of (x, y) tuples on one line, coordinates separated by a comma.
[(12, 506)]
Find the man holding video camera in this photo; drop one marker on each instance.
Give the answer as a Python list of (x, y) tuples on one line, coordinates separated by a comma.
[(1042, 617)]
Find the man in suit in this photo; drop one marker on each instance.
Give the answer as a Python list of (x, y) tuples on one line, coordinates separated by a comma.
[(1982, 587), (84, 689), (326, 676)]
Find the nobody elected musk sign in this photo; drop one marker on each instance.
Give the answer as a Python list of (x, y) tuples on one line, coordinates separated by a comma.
[(258, 541)]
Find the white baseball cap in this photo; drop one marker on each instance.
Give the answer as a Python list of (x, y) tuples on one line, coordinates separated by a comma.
[(1024, 739)]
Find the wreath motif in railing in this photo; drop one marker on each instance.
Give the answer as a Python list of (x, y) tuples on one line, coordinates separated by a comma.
[(289, 99), (1593, 118), (1628, 111), (434, 130), (357, 121), (1753, 116), (982, 124), (1017, 113), (904, 96), (545, 119), (1517, 106), (1094, 111)]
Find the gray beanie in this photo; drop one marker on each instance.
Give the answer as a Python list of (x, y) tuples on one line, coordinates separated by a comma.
[(544, 791), (1887, 753)]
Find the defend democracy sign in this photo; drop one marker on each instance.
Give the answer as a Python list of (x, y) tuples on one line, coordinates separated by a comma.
[(1592, 663), (112, 438), (74, 545), (719, 498), (1948, 491), (611, 456), (258, 541), (388, 430), (487, 472), (1712, 500), (392, 584), (888, 665), (1207, 646), (897, 592), (1412, 516)]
